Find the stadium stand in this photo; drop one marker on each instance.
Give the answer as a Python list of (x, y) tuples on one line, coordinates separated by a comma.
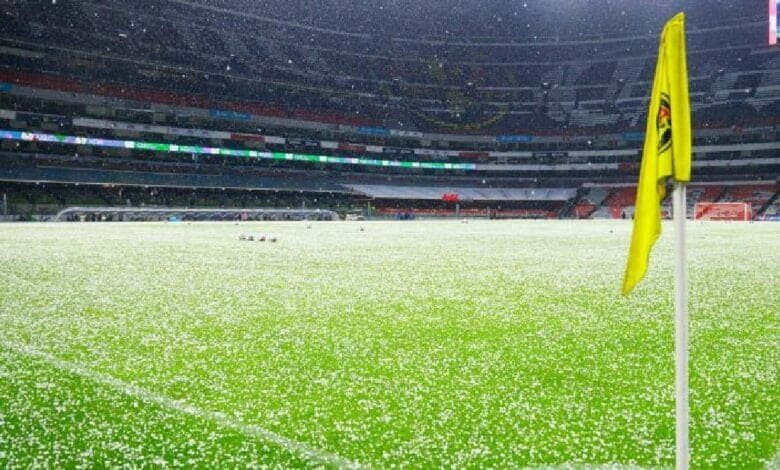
[(125, 95), (757, 195), (621, 201)]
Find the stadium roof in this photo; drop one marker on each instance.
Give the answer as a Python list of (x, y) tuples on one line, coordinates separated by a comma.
[(517, 19)]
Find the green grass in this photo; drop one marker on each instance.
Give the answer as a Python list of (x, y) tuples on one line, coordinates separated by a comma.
[(424, 344)]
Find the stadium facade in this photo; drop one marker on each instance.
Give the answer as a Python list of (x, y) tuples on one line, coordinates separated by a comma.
[(197, 104)]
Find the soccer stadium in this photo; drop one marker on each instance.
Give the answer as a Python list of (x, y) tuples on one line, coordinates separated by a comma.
[(391, 234)]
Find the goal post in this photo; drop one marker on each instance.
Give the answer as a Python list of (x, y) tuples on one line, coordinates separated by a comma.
[(723, 211)]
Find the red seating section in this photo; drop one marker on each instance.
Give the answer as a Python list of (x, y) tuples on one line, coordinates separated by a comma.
[(55, 82)]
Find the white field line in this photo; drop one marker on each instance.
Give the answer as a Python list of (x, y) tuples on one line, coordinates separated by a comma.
[(251, 430), (299, 448)]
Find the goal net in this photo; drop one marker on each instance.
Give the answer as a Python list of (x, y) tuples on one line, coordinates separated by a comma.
[(722, 211)]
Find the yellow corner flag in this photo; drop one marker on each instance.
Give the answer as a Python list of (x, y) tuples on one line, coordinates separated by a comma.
[(667, 149)]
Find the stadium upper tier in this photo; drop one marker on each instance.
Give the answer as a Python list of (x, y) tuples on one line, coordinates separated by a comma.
[(41, 113), (64, 134), (248, 63)]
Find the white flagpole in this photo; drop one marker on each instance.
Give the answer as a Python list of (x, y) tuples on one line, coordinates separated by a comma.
[(681, 327)]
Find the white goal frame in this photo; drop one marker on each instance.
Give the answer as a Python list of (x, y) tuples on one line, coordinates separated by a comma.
[(743, 211)]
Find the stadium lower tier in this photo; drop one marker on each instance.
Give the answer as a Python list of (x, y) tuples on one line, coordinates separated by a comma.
[(410, 209), (41, 200)]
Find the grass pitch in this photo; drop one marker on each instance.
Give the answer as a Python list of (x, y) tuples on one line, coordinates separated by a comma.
[(423, 344)]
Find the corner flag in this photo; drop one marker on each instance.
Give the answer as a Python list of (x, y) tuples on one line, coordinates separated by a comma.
[(667, 149)]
